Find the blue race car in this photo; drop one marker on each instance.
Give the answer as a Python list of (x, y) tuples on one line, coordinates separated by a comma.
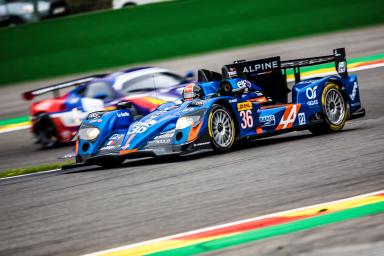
[(248, 100)]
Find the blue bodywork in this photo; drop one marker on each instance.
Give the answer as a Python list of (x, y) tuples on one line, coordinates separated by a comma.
[(255, 114)]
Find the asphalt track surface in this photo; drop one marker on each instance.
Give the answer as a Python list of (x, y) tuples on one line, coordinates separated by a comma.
[(17, 148), (91, 209)]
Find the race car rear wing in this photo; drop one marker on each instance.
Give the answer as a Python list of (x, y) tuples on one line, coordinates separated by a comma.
[(271, 73), (338, 57), (29, 95)]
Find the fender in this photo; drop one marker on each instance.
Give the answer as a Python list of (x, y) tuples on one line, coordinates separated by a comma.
[(108, 123), (309, 92)]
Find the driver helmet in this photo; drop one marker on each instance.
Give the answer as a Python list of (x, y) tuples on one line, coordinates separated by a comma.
[(192, 91)]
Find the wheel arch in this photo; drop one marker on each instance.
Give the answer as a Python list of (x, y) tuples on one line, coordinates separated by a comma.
[(343, 91)]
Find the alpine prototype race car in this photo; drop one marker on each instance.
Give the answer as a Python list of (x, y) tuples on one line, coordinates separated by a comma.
[(248, 100), (57, 120)]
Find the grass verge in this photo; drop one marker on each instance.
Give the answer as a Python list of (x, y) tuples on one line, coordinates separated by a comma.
[(34, 169), (115, 38)]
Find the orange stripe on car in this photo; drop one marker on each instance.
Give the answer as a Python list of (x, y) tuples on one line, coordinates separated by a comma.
[(129, 140), (259, 100), (77, 146), (194, 132), (125, 152)]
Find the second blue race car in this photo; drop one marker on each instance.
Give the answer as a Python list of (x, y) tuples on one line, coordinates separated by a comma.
[(248, 100)]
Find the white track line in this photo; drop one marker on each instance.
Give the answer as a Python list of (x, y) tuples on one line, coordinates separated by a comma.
[(30, 174), (194, 232)]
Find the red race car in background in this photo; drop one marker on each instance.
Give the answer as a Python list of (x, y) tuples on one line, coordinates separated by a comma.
[(56, 120)]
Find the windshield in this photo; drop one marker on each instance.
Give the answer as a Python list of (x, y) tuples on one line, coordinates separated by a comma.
[(99, 90), (151, 82)]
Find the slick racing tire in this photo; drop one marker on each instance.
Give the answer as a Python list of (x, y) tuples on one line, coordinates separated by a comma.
[(45, 132), (334, 108), (221, 128)]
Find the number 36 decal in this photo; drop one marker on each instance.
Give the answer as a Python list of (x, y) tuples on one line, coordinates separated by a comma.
[(247, 119)]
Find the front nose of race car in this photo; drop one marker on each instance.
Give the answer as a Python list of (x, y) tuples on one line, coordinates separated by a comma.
[(169, 133), (101, 132)]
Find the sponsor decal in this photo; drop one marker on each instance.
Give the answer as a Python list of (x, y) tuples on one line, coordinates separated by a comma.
[(116, 137), (122, 114), (164, 135), (94, 115), (244, 83), (244, 106), (354, 91), (107, 148), (289, 116), (165, 138), (311, 96), (341, 67), (163, 141), (355, 104), (308, 81), (311, 92), (233, 101), (188, 109), (261, 67), (138, 127), (267, 120), (246, 119), (302, 119), (197, 103), (96, 121)]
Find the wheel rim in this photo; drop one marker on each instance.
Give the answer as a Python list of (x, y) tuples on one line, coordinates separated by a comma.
[(222, 130), (334, 107)]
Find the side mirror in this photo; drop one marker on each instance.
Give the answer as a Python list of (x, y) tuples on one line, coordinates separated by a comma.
[(124, 105)]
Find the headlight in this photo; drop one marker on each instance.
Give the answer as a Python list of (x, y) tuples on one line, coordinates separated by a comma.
[(89, 133), (187, 121)]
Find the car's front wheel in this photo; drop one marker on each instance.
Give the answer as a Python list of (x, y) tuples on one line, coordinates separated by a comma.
[(221, 128)]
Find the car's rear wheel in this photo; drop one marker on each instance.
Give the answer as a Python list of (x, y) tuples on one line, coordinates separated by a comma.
[(221, 128), (45, 132), (334, 110)]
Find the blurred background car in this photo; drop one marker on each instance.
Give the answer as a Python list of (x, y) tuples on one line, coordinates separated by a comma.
[(14, 12), (117, 4), (56, 120)]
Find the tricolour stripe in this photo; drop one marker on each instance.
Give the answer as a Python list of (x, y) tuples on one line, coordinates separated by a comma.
[(265, 226)]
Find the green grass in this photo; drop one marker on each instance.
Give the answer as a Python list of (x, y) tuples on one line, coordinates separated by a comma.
[(33, 169), (116, 38)]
